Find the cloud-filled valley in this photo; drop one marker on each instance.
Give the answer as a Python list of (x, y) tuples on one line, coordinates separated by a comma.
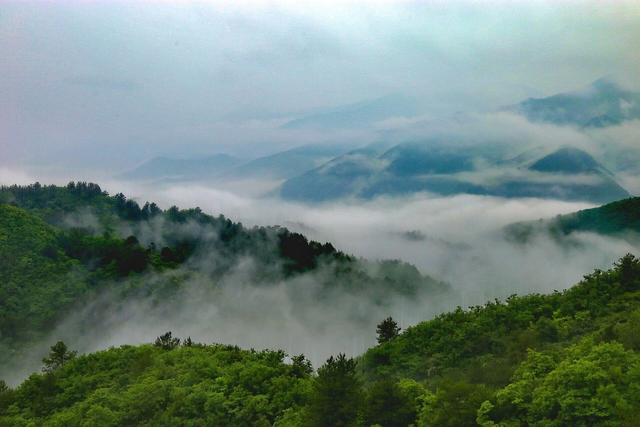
[(454, 233), (457, 239), (328, 213)]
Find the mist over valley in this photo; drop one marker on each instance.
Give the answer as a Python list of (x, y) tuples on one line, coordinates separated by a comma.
[(329, 214)]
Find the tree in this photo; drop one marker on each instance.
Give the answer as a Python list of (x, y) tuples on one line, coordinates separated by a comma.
[(454, 404), (166, 341), (590, 384), (301, 366), (58, 356), (389, 405), (6, 396), (628, 268), (336, 394), (167, 255), (387, 330)]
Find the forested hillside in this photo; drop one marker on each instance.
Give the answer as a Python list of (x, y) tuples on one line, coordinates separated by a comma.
[(619, 219), (62, 248), (568, 358)]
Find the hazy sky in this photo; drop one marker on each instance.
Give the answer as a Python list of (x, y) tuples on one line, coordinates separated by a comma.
[(108, 84)]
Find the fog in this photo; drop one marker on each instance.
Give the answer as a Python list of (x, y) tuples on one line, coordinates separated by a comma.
[(103, 85), (459, 240), (92, 89)]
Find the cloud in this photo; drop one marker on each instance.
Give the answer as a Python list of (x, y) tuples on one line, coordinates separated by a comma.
[(460, 241), (12, 176), (151, 78), (90, 89), (102, 83), (464, 243)]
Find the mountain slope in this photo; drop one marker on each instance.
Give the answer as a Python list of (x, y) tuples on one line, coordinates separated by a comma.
[(620, 219), (74, 258), (602, 104), (285, 164), (161, 168), (567, 160), (567, 358), (498, 363), (149, 385), (341, 177), (35, 276), (565, 174)]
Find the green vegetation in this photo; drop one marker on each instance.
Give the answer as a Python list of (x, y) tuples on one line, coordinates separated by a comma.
[(148, 385), (613, 218), (63, 246), (387, 330), (566, 358), (37, 277), (115, 231), (45, 270), (620, 219)]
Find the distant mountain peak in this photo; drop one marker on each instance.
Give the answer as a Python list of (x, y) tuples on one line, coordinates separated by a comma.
[(163, 167), (603, 103), (605, 83), (567, 159)]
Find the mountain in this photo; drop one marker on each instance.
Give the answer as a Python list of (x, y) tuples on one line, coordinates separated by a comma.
[(566, 358), (531, 360), (568, 160), (285, 164), (74, 260), (620, 219), (358, 115), (164, 168), (340, 177), (151, 385), (603, 103), (417, 159), (448, 169), (566, 174), (221, 167)]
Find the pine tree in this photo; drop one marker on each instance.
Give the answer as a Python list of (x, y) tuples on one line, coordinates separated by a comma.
[(58, 356), (387, 330), (337, 394), (166, 341)]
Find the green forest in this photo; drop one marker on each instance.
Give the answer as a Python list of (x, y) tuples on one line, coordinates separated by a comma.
[(62, 246), (620, 219), (566, 358)]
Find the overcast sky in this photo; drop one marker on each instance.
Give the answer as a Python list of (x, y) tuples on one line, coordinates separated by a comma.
[(109, 84)]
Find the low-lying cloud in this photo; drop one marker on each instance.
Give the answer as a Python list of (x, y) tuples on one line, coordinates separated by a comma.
[(374, 229), (456, 239)]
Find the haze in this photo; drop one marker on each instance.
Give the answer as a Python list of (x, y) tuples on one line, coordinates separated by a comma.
[(102, 85), (120, 93)]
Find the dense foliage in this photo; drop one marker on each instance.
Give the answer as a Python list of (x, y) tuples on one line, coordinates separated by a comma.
[(147, 385), (99, 227), (37, 277), (63, 246), (566, 358), (620, 219)]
